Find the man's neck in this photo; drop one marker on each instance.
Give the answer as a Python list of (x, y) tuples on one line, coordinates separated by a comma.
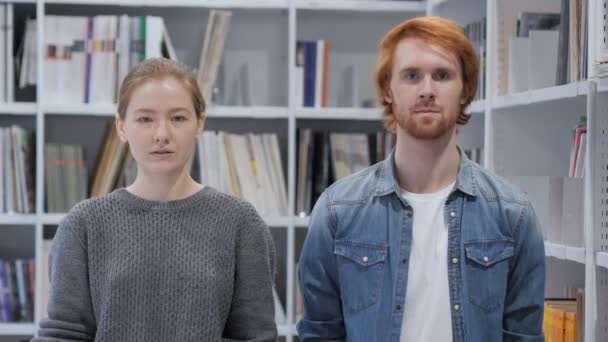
[(426, 166)]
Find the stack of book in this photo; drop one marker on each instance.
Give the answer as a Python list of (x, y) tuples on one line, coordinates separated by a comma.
[(65, 176), (476, 32), (312, 73), (86, 58), (248, 166), (7, 87), (579, 150), (16, 170), (564, 318), (17, 284)]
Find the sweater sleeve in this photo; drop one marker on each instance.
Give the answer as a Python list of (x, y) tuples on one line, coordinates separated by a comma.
[(70, 309), (251, 316)]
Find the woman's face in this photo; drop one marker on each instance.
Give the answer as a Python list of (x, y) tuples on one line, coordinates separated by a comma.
[(161, 126)]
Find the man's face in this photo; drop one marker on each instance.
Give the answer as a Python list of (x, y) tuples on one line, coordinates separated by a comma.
[(426, 89)]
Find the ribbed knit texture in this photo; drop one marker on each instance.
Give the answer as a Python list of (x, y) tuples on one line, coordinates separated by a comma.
[(123, 268)]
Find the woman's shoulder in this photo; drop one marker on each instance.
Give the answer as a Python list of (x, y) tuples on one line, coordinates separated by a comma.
[(226, 201), (91, 207), (230, 205)]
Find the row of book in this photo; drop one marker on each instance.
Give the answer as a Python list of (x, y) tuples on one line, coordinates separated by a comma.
[(312, 73), (248, 166), (579, 149), (324, 157), (477, 34), (564, 319), (17, 284), (66, 175), (544, 46), (7, 89), (16, 172), (86, 58)]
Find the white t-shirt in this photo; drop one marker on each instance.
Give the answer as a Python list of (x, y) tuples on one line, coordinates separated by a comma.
[(427, 314)]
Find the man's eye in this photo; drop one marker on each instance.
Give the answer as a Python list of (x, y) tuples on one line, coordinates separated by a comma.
[(410, 75), (442, 76)]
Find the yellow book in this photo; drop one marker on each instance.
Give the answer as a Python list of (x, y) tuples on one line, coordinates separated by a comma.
[(546, 311), (559, 325), (570, 327)]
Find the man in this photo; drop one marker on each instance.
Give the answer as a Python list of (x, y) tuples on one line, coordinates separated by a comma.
[(426, 245)]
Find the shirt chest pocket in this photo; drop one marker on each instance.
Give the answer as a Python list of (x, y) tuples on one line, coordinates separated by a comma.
[(487, 271), (360, 271)]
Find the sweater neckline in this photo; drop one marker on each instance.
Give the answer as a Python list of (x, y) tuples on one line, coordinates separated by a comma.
[(142, 203)]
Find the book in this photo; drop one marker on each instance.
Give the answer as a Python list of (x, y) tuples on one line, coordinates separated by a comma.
[(528, 21), (212, 50)]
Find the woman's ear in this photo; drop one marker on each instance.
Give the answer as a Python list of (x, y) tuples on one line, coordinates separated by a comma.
[(118, 124), (201, 124)]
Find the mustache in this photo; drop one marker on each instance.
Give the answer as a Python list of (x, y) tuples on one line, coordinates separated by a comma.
[(426, 108)]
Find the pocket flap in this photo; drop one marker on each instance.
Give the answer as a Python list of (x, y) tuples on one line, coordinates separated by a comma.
[(487, 253), (362, 252)]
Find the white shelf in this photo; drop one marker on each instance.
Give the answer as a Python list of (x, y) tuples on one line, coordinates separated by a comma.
[(558, 251), (265, 4), (602, 85), (286, 329), (351, 5), (17, 219), (17, 1), (601, 259), (277, 222), (363, 5), (247, 112), (260, 112), (18, 108), (80, 109), (477, 107), (566, 91), (301, 222), (17, 329), (54, 218), (365, 114)]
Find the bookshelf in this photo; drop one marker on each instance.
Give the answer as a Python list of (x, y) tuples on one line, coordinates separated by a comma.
[(602, 259), (522, 134), (19, 329), (26, 109)]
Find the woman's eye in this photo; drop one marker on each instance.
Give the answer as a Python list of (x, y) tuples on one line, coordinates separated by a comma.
[(180, 118), (144, 119)]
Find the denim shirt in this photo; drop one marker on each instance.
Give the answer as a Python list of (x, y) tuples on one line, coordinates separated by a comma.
[(353, 271)]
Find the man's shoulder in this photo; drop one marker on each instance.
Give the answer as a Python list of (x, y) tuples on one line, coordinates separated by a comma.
[(357, 187), (495, 188)]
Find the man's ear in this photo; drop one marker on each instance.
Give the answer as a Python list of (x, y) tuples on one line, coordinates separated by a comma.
[(119, 128), (388, 97)]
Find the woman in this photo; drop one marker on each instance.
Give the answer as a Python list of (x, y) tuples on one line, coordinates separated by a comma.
[(165, 259)]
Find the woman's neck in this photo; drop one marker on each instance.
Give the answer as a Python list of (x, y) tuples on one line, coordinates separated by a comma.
[(164, 188)]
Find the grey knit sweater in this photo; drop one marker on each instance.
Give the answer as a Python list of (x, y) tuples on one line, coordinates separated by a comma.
[(127, 269)]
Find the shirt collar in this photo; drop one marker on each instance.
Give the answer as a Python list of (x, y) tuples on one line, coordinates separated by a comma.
[(465, 181)]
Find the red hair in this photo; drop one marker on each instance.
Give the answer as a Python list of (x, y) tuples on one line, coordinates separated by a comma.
[(158, 69), (435, 30)]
